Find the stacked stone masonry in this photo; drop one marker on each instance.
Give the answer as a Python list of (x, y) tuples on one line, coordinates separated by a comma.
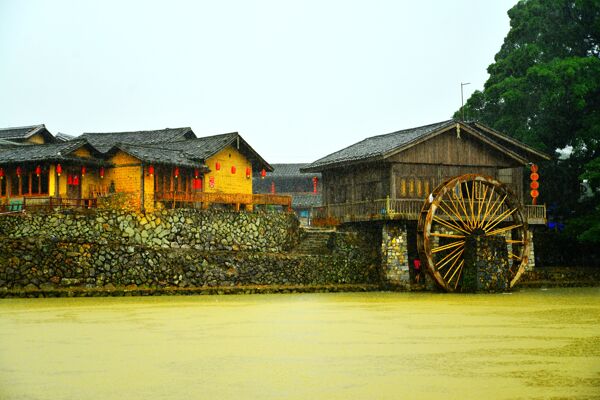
[(180, 248)]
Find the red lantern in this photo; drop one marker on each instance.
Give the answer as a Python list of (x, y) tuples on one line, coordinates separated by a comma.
[(151, 170), (101, 172), (534, 176), (263, 173), (176, 172), (218, 166), (69, 179), (58, 169), (38, 171), (534, 185), (233, 169), (83, 171), (75, 180), (19, 172), (248, 172), (534, 168), (196, 173), (197, 184), (534, 193), (1, 173)]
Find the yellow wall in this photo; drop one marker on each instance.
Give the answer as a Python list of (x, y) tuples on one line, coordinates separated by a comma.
[(225, 181), (126, 176), (36, 139), (82, 152)]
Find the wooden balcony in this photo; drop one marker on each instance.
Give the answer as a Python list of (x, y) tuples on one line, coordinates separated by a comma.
[(395, 209), (46, 203), (204, 200)]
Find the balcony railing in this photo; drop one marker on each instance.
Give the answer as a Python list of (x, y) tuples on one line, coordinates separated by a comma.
[(236, 199), (39, 203), (397, 209)]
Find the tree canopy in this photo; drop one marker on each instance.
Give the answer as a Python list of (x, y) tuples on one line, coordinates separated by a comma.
[(544, 89)]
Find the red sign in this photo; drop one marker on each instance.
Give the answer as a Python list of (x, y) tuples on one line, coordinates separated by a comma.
[(211, 181)]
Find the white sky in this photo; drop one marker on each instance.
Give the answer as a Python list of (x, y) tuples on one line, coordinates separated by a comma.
[(297, 79)]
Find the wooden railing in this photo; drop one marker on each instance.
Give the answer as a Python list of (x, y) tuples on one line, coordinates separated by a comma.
[(235, 199), (383, 209), (38, 203)]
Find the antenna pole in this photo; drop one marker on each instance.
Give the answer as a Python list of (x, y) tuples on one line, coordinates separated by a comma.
[(462, 101)]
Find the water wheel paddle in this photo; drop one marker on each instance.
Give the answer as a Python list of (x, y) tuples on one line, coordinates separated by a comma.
[(468, 205)]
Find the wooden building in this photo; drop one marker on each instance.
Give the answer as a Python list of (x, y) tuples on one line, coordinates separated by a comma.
[(399, 169), (286, 179), (170, 166)]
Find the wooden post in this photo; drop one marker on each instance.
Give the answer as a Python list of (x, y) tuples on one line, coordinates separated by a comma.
[(142, 187), (392, 183)]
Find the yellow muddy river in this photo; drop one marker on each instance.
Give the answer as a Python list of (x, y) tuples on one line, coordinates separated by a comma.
[(532, 344)]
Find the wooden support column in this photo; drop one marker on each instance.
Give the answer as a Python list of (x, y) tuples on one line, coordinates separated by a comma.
[(392, 182), (142, 187)]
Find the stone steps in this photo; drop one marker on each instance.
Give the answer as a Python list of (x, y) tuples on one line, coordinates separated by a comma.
[(315, 241)]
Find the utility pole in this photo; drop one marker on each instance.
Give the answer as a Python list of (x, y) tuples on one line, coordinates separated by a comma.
[(462, 101)]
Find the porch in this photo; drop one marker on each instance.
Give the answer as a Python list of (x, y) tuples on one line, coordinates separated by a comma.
[(395, 209), (237, 200)]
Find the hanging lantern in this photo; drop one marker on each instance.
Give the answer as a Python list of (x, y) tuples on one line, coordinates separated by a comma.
[(69, 179), (263, 173), (75, 180), (315, 180), (19, 172), (534, 185), (196, 173), (38, 171), (151, 170), (233, 169), (83, 171), (1, 173), (101, 172), (58, 169), (218, 166), (248, 172), (197, 184), (176, 172)]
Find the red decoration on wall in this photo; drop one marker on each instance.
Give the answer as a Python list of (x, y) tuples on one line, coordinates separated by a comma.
[(75, 180), (1, 173), (19, 172), (315, 180), (151, 170), (38, 171), (263, 173), (197, 184), (248, 172), (233, 169), (176, 172), (69, 179), (83, 170), (211, 181), (218, 166), (101, 172), (58, 169), (273, 187), (196, 173)]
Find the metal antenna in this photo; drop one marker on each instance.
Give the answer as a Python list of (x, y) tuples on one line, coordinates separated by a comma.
[(462, 102)]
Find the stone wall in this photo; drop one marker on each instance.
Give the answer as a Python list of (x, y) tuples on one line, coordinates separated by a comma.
[(394, 255), (173, 248)]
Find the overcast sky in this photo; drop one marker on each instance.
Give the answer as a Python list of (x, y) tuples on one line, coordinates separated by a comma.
[(297, 79)]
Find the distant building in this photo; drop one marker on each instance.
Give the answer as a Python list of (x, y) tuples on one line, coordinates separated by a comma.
[(286, 179)]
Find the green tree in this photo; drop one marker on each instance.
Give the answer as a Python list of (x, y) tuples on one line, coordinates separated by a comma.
[(544, 89)]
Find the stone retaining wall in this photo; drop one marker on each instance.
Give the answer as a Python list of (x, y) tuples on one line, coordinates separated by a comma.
[(174, 248)]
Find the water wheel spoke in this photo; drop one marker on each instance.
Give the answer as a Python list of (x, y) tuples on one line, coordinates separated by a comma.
[(515, 241), (449, 225), (470, 199), (445, 235), (497, 205), (448, 246), (452, 213), (457, 253), (502, 230), (514, 256), (458, 268), (487, 207), (499, 219), (461, 203)]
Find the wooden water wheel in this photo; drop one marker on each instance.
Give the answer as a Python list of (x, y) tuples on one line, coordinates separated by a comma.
[(467, 205)]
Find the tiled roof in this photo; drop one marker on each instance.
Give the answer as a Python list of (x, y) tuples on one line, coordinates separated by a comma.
[(21, 132), (289, 170), (7, 143), (104, 141), (159, 155), (305, 200), (204, 147), (375, 147), (63, 137), (44, 152)]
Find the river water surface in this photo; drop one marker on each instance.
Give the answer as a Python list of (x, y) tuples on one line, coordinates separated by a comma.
[(531, 344)]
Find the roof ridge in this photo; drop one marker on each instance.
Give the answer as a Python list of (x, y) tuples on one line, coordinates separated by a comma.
[(149, 130), (23, 127), (412, 129)]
